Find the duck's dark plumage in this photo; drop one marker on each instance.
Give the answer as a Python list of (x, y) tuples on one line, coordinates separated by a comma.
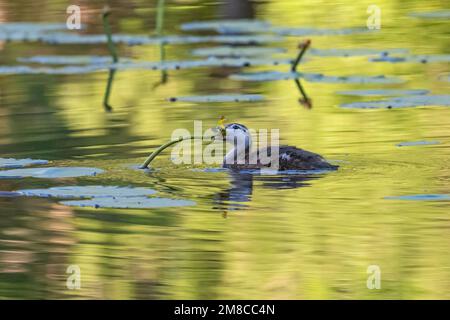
[(290, 158)]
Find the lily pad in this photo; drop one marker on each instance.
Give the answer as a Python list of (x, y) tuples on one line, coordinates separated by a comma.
[(50, 172), (442, 14), (287, 31), (416, 143), (56, 38), (413, 59), (383, 92), (228, 51), (422, 197), (227, 26), (145, 65), (355, 52), (129, 203), (77, 192), (312, 77), (220, 98), (20, 163), (402, 102), (61, 60)]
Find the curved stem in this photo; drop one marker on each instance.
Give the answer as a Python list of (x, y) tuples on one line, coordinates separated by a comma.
[(303, 46), (155, 153)]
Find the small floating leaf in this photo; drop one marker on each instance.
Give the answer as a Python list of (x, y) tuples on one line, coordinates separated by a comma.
[(442, 14), (76, 192), (220, 98), (228, 51), (355, 52), (312, 77), (50, 172), (20, 163), (145, 65), (416, 143), (402, 102), (129, 203), (286, 31), (73, 38), (61, 60), (422, 197), (265, 76), (382, 92), (413, 59), (227, 26)]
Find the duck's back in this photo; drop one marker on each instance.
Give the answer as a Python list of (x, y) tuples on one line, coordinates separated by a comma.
[(290, 158)]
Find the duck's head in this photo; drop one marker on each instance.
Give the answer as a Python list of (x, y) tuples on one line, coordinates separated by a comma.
[(232, 132)]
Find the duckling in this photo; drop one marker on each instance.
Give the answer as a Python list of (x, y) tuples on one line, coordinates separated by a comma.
[(290, 158)]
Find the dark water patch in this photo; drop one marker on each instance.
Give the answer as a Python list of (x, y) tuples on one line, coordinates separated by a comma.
[(413, 59), (416, 143), (228, 51), (441, 14), (312, 77), (355, 52), (227, 26), (422, 197), (264, 172), (10, 163), (383, 92), (402, 102), (50, 172), (220, 98), (129, 203), (78, 192)]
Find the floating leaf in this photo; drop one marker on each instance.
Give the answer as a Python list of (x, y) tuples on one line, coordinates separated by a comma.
[(416, 143), (146, 65), (20, 163), (383, 92), (355, 52), (402, 102), (422, 197), (61, 60), (220, 98), (414, 58), (228, 51), (312, 77), (131, 40), (443, 14), (227, 26), (76, 192), (50, 172), (287, 31), (129, 203)]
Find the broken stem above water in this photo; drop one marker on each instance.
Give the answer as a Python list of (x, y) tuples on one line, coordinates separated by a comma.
[(107, 29), (161, 149), (303, 46)]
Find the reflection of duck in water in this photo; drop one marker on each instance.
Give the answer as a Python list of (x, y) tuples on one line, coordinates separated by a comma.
[(240, 192), (289, 158)]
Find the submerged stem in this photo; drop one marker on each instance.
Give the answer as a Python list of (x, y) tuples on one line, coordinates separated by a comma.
[(107, 29), (303, 46), (155, 153)]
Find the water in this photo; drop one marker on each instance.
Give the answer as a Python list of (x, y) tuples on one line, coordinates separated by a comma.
[(297, 236)]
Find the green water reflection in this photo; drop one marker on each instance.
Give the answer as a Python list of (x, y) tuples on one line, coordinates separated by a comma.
[(248, 236)]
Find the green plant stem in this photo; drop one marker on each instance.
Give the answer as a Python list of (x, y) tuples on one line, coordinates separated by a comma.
[(107, 29), (155, 153), (159, 32)]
